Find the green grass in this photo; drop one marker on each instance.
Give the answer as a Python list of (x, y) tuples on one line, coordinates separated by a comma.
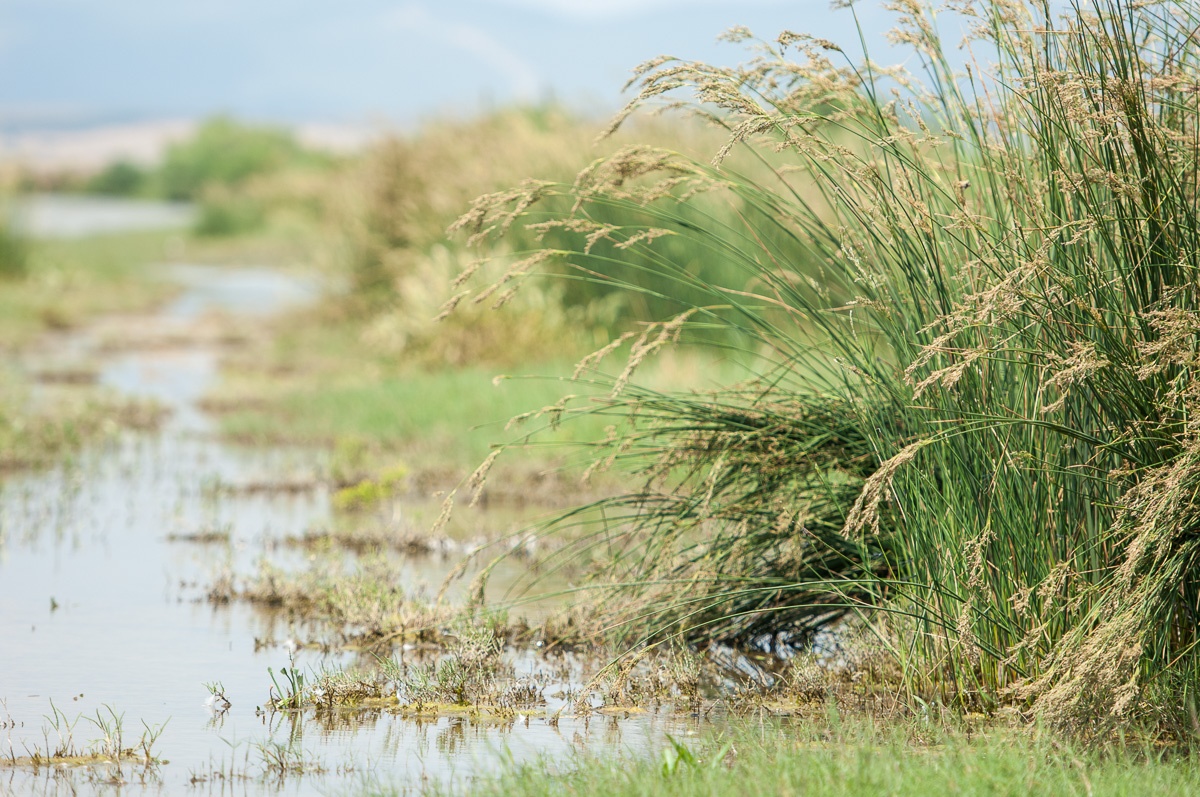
[(454, 414), (845, 761), (320, 379), (451, 415)]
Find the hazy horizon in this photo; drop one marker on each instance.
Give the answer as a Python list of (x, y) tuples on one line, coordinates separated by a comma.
[(70, 64)]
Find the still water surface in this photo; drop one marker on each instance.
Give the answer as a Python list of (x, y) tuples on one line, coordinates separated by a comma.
[(72, 216), (100, 608)]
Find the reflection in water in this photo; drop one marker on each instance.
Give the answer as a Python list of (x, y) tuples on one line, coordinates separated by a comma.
[(99, 607)]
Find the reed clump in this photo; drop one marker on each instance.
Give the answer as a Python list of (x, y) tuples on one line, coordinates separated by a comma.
[(970, 298)]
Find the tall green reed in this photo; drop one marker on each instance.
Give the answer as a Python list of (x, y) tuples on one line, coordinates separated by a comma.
[(972, 293)]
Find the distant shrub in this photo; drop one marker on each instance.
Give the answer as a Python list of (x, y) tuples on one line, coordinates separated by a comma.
[(225, 212), (120, 178), (225, 152)]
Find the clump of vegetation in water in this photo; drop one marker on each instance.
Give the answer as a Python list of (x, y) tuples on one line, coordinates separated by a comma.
[(113, 747), (972, 296), (367, 604), (471, 674), (35, 438), (468, 674), (367, 492)]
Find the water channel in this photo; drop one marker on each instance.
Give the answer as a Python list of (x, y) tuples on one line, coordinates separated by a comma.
[(102, 591)]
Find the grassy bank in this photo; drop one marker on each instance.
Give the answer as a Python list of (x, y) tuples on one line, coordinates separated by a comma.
[(320, 379), (34, 436), (855, 760)]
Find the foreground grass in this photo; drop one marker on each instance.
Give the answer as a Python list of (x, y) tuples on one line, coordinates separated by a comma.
[(848, 761)]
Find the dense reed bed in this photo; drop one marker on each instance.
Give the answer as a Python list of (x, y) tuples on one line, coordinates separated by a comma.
[(968, 294)]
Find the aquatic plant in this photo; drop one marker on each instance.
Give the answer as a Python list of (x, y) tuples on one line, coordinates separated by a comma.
[(291, 693), (217, 701), (470, 672), (970, 300), (281, 759), (366, 603), (367, 492), (59, 747)]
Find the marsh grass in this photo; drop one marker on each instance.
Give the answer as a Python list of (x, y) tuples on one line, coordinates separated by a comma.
[(972, 293), (465, 672)]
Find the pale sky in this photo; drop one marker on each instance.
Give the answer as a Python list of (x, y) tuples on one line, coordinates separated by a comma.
[(66, 62)]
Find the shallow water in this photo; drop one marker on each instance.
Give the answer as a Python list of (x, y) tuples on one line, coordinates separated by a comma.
[(74, 216), (99, 607)]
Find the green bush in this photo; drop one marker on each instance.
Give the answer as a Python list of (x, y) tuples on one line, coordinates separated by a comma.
[(120, 178), (224, 212), (227, 153)]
